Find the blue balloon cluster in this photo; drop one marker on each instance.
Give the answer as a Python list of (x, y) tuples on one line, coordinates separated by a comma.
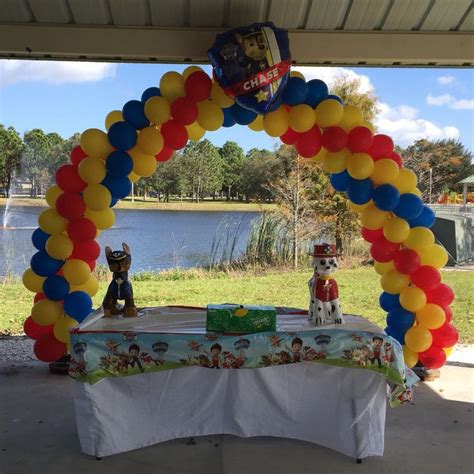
[(122, 136), (296, 91), (134, 113), (360, 191), (39, 238), (386, 197), (55, 288), (119, 164), (150, 92), (78, 305), (44, 265)]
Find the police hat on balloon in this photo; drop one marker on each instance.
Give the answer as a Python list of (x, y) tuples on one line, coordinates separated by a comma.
[(252, 64)]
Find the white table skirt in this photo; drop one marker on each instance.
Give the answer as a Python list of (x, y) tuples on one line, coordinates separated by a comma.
[(339, 408)]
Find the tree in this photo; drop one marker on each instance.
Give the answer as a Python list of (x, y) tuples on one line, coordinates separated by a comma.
[(233, 163), (11, 148), (167, 179)]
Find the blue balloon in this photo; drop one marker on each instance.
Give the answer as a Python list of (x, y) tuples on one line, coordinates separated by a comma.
[(134, 113), (118, 187), (122, 136), (388, 301), (55, 288), (229, 120), (398, 335), (78, 305), (150, 92), (340, 181), (119, 163), (409, 207), (295, 92), (335, 97), (39, 239), (386, 197), (242, 116), (400, 319), (113, 202), (360, 191), (44, 265), (317, 92), (426, 219)]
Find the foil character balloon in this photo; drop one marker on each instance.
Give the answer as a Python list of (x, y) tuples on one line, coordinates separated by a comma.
[(252, 64)]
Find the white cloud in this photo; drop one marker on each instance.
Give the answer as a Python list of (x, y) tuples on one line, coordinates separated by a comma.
[(466, 104), (444, 80), (450, 101), (439, 99), (404, 126), (13, 71)]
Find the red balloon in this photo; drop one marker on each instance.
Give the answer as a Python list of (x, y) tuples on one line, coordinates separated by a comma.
[(426, 277), (308, 144), (445, 336), (406, 261), (397, 158), (449, 313), (70, 205), (184, 110), (372, 235), (92, 264), (441, 295), (359, 140), (82, 230), (34, 330), (174, 134), (49, 349), (165, 154), (382, 147), (198, 86), (383, 251), (86, 250), (39, 297), (289, 137), (433, 358), (69, 180), (334, 139), (77, 155)]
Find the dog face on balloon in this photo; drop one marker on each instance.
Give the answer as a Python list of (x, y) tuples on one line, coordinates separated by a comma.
[(324, 266)]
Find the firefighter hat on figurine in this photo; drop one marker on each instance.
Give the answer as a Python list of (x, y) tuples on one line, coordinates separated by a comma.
[(324, 250)]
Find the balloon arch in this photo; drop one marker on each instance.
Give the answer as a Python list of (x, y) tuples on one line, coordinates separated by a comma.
[(361, 164)]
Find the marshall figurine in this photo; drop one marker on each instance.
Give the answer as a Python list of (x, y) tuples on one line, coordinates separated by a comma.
[(120, 288), (324, 303)]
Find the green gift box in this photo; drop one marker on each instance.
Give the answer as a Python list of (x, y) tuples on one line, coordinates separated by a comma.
[(240, 318)]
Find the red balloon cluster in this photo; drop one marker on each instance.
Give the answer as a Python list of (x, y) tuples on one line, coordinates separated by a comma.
[(426, 277), (86, 251), (198, 86), (372, 236), (70, 205), (184, 110), (334, 139), (34, 330), (68, 179), (49, 349), (383, 250), (406, 261), (441, 295), (359, 140), (308, 144), (81, 230), (77, 155), (165, 154), (289, 137), (382, 147), (174, 134)]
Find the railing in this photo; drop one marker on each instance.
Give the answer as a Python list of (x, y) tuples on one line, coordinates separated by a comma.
[(467, 210)]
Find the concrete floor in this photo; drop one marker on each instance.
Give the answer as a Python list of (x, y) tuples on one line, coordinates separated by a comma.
[(37, 435)]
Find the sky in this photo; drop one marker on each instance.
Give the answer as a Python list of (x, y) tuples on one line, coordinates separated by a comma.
[(69, 97)]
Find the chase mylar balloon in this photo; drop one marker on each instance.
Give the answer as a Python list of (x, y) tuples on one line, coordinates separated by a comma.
[(252, 64)]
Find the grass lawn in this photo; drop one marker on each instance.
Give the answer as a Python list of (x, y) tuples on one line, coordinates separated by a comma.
[(359, 290), (150, 204)]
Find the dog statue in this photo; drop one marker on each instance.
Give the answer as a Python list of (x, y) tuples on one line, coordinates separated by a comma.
[(120, 288), (324, 303)]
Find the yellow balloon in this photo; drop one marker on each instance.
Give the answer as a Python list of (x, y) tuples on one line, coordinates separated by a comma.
[(220, 98), (434, 255), (143, 165), (406, 181), (157, 110), (190, 69), (62, 326), (102, 219), (150, 141), (328, 113), (52, 194), (335, 162), (32, 281), (448, 350), (385, 171), (319, 158), (419, 238), (210, 116), (410, 357), (359, 208), (368, 125), (95, 143), (412, 298), (113, 117), (92, 170), (301, 118), (394, 282), (91, 286), (351, 117), (133, 177), (46, 312), (360, 165), (51, 222), (297, 74), (418, 339), (417, 192), (195, 131), (431, 316), (383, 267), (97, 197), (76, 271), (59, 246), (276, 123), (373, 218), (396, 230), (172, 85), (257, 124)]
